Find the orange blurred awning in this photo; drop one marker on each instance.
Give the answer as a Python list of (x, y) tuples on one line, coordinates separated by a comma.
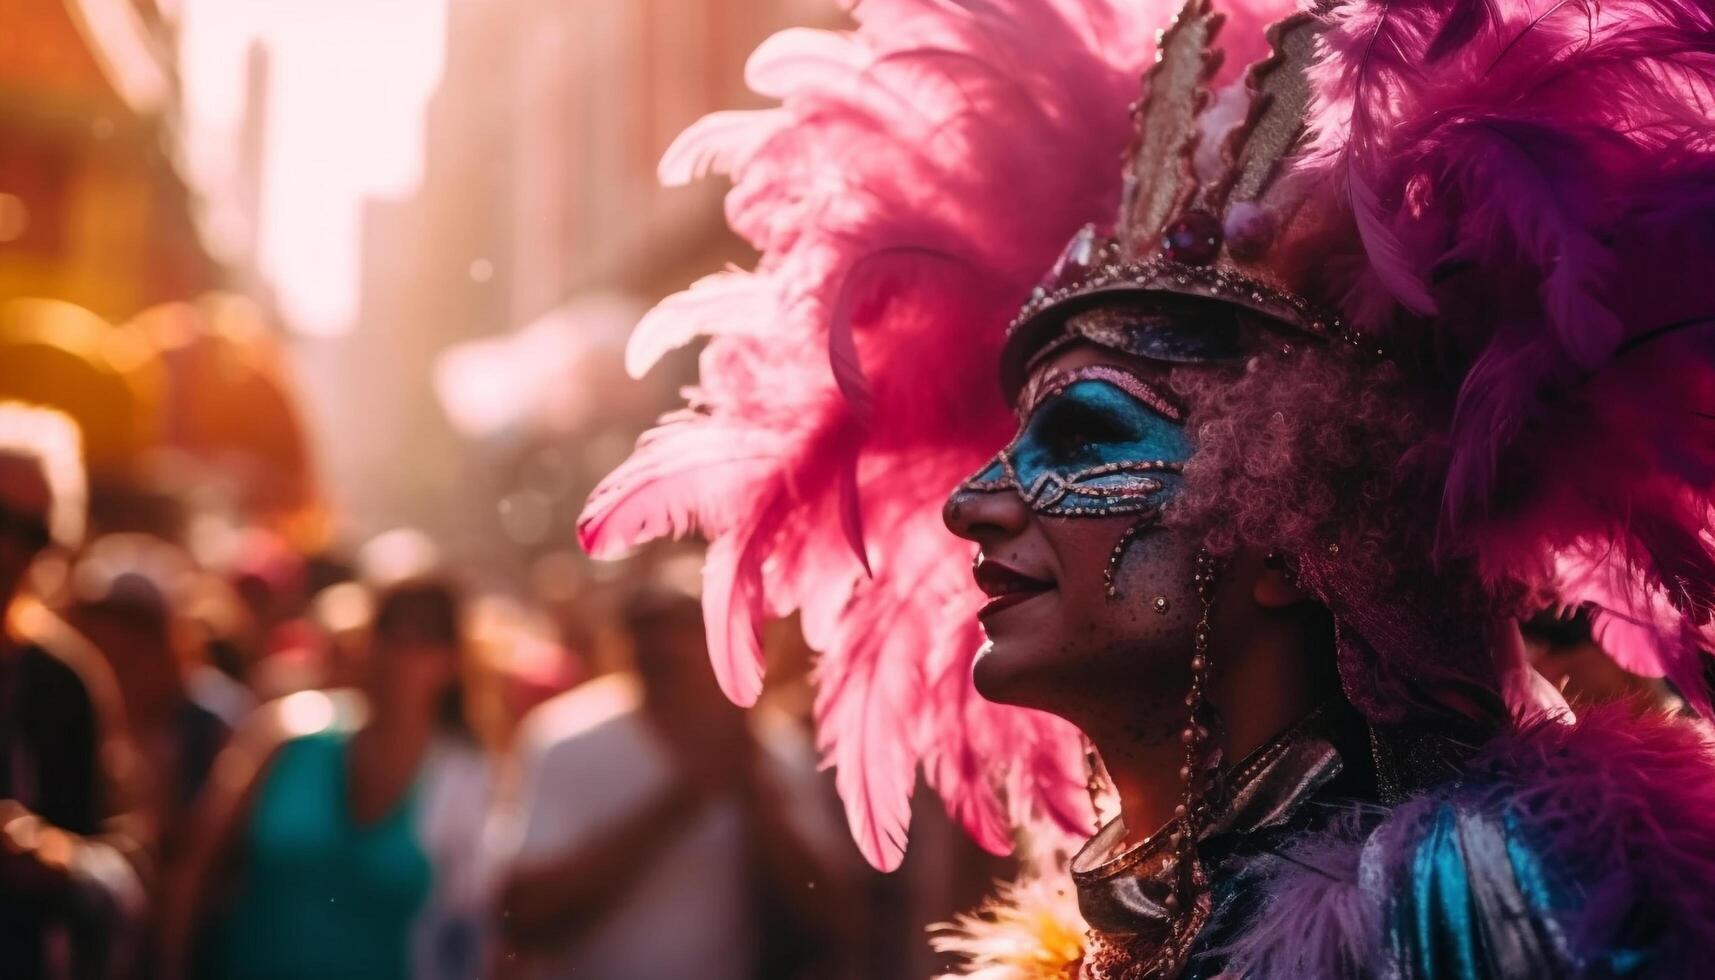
[(228, 401), (108, 380)]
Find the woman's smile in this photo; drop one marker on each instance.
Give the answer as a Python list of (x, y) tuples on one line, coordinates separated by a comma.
[(1005, 586)]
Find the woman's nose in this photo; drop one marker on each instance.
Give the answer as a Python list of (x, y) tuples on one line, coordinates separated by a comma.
[(985, 516)]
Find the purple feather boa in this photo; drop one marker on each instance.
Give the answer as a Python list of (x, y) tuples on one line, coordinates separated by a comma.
[(1622, 803)]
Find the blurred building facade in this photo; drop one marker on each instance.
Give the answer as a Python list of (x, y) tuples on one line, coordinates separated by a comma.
[(539, 188), (93, 210), (111, 302)]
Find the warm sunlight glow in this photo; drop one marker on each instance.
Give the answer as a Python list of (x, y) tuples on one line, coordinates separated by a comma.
[(346, 86)]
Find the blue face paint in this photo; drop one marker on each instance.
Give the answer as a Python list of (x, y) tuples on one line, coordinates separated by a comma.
[(1096, 442)]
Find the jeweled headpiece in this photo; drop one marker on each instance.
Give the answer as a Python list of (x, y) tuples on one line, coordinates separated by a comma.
[(1211, 208)]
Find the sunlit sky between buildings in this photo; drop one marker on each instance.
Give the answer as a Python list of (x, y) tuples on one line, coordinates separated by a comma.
[(348, 84)]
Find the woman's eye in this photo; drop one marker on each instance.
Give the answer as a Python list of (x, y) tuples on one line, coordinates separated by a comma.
[(1070, 427)]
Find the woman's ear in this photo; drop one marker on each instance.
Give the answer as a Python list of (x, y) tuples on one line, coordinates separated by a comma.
[(1276, 587)]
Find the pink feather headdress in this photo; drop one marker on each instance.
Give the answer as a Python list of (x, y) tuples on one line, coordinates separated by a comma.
[(1529, 196), (1533, 187)]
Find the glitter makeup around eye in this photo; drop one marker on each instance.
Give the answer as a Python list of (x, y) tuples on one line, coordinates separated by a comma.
[(1047, 386)]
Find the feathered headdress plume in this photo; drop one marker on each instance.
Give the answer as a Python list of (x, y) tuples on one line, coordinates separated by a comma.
[(918, 176), (1533, 185)]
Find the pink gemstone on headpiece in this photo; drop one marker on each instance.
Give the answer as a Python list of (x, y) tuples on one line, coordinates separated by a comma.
[(1194, 238), (1249, 230), (1075, 259), (1082, 249)]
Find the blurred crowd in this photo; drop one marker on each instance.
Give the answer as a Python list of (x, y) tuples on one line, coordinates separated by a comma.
[(240, 759), (225, 754)]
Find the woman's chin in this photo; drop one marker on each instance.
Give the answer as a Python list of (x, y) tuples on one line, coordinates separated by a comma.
[(1009, 672), (990, 674)]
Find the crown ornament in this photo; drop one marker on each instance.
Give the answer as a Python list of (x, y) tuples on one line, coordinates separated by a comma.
[(1210, 208)]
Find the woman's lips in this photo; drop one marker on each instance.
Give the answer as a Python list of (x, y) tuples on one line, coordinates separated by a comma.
[(1006, 587)]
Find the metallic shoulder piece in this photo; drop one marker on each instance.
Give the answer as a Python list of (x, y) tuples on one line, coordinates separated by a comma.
[(1141, 926)]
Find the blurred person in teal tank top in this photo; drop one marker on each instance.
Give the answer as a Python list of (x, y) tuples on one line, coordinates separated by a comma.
[(311, 861)]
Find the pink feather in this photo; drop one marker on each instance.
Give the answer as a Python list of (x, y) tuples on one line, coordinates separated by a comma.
[(733, 604), (868, 701), (732, 301), (653, 495), (718, 143), (796, 58), (1633, 623)]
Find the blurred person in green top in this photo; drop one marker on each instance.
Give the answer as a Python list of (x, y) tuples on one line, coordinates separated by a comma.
[(331, 827)]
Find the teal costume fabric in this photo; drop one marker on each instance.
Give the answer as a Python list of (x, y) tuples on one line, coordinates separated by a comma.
[(1526, 863), (320, 896)]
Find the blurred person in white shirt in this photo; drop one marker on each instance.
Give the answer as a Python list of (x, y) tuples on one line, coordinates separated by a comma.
[(652, 830)]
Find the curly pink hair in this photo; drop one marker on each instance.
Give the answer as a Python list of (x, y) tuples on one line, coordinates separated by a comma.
[(1325, 451)]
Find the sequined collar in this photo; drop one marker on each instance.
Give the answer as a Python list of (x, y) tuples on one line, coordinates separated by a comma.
[(1126, 894)]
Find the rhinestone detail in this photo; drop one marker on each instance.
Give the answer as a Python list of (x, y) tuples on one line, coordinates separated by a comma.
[(1193, 238)]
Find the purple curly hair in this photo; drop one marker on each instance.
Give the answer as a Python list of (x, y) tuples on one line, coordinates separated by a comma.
[(1324, 452)]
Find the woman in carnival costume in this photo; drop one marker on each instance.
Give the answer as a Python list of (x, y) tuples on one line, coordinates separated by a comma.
[(1381, 327)]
